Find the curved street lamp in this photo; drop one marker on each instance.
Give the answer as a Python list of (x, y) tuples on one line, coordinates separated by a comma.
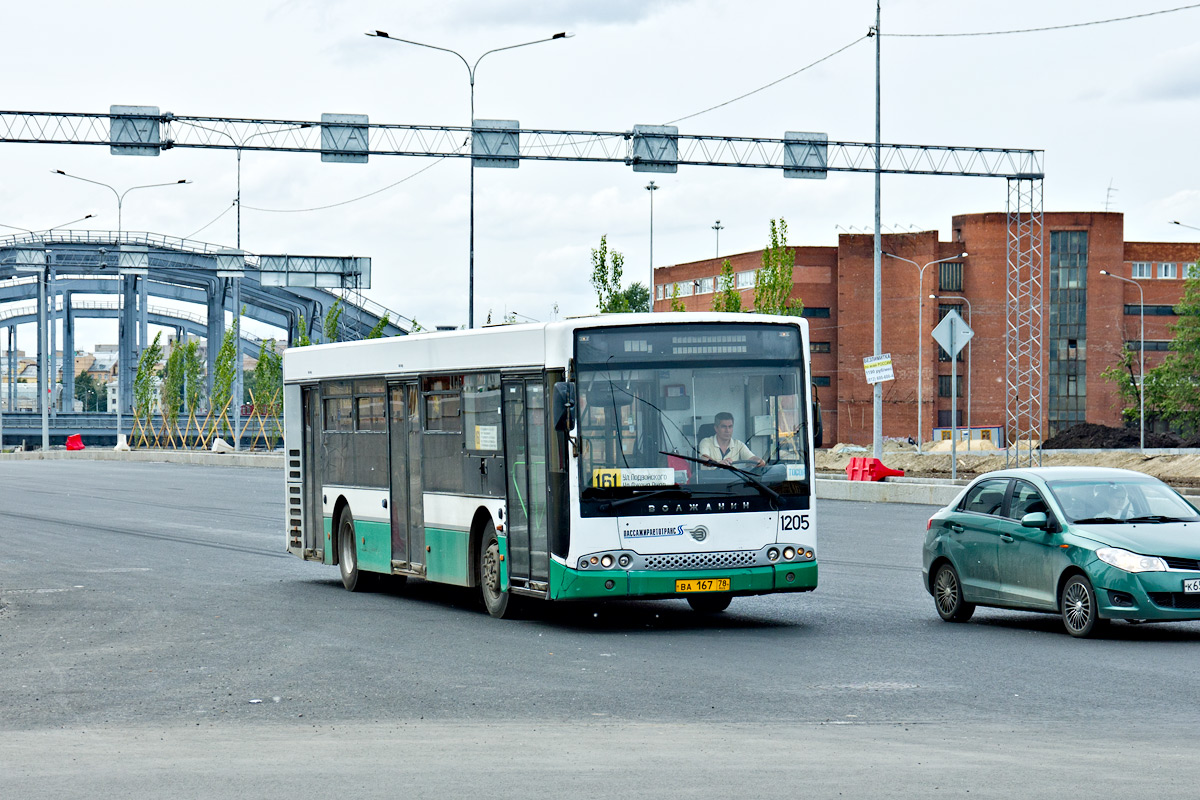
[(46, 230), (119, 195), (471, 76), (920, 319)]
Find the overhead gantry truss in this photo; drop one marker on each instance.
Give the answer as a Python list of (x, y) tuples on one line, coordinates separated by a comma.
[(143, 130), (500, 140)]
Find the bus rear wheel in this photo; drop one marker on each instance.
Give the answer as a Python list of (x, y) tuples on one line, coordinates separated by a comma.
[(499, 603), (709, 603), (352, 578)]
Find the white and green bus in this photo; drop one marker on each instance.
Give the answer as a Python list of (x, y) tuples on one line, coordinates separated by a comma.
[(562, 461)]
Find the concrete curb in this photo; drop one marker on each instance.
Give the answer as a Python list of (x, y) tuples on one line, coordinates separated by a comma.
[(202, 457)]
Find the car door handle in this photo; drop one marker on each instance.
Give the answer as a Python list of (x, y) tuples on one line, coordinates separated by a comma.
[(1004, 537), (956, 528)]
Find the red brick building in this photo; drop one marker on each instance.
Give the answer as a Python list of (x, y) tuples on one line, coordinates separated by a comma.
[(1087, 317)]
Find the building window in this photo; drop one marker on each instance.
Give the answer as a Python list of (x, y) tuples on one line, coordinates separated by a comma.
[(704, 286), (1166, 270), (1192, 271), (944, 420), (820, 380), (683, 288), (944, 385), (1141, 269), (745, 280), (1133, 310), (659, 292), (1155, 345), (950, 276), (819, 347), (815, 312)]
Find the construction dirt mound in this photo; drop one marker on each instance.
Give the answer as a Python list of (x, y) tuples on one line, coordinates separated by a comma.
[(1090, 436)]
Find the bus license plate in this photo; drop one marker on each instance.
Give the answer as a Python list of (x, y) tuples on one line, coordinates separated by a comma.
[(703, 585), (1191, 586)]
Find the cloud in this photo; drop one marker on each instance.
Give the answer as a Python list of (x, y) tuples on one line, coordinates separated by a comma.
[(1170, 76)]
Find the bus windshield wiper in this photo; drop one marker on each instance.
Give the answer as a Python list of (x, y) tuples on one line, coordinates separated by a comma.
[(746, 476), (646, 496)]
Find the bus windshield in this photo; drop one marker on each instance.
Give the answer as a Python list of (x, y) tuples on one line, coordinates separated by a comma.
[(655, 402)]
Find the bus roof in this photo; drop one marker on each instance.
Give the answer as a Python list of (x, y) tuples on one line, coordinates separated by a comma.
[(538, 344)]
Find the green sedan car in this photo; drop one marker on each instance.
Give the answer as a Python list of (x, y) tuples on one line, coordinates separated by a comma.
[(1089, 543)]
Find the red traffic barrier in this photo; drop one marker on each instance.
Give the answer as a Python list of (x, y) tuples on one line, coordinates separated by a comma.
[(869, 469), (75, 442)]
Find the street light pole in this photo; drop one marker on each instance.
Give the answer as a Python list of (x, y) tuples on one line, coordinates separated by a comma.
[(718, 227), (920, 319), (471, 77), (651, 187), (119, 195), (1141, 355), (46, 230), (970, 317)]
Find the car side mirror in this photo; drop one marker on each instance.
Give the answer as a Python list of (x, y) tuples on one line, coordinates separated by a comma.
[(1037, 519), (563, 410)]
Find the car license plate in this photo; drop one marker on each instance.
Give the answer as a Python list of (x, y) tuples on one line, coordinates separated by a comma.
[(709, 585), (1191, 586)]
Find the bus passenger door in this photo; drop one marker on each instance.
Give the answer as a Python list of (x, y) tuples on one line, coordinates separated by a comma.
[(405, 496), (314, 529), (525, 466)]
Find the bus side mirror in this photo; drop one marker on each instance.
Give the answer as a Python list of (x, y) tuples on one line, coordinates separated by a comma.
[(563, 410)]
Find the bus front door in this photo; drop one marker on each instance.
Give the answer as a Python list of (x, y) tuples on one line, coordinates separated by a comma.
[(404, 443), (525, 463)]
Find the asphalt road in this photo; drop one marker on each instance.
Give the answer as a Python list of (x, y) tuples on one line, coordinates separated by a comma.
[(155, 640)]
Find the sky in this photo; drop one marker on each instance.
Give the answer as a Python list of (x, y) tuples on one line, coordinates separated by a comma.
[(1114, 107)]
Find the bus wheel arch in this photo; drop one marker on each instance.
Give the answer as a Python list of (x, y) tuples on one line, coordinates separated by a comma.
[(485, 545)]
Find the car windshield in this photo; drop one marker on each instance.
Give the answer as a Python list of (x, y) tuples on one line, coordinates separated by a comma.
[(681, 399), (1118, 501)]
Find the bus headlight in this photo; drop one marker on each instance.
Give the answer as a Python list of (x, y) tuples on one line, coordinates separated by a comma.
[(624, 561), (606, 561), (773, 554), (789, 553)]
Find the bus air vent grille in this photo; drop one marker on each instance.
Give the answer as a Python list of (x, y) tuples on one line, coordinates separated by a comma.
[(730, 558)]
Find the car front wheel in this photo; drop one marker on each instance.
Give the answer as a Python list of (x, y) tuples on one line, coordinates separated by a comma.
[(948, 595), (1080, 614)]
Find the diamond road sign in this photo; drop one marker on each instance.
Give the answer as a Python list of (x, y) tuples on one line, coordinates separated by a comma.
[(952, 333)]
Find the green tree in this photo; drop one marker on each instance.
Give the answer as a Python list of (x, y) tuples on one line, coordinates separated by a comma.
[(193, 377), (302, 339), (1172, 388), (636, 297), (143, 380), (92, 394), (676, 302), (727, 296), (224, 373), (377, 331), (773, 281), (607, 268), (1124, 375), (174, 376), (268, 377), (329, 326)]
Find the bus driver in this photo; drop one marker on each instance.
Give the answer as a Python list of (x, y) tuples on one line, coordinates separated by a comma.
[(723, 447)]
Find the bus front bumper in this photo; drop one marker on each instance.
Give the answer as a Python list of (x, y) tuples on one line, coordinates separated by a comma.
[(573, 584)]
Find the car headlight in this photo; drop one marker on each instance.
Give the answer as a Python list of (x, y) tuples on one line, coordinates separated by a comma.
[(1130, 562)]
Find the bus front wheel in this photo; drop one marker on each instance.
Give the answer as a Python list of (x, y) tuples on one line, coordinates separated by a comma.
[(498, 602)]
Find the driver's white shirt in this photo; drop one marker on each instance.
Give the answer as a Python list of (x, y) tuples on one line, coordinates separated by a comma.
[(737, 451)]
